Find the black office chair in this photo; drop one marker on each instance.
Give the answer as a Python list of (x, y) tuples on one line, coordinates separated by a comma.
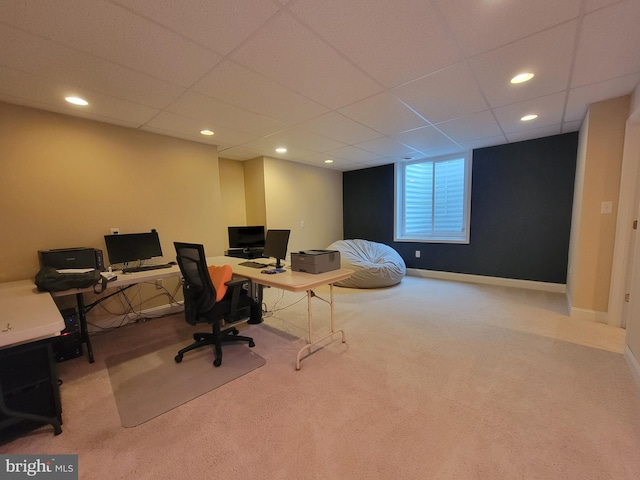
[(203, 304)]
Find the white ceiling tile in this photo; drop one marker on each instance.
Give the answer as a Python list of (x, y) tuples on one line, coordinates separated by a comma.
[(549, 110), (238, 153), (287, 52), (395, 42), (441, 151), (201, 107), (596, 4), (171, 122), (268, 146), (112, 33), (353, 154), (315, 73), (532, 133), (448, 93), (547, 54), (340, 128), (568, 127), (484, 142), (233, 83), (580, 98), (29, 53), (473, 127), (35, 91), (389, 148), (608, 45), (480, 26), (221, 25), (383, 113), (423, 139), (305, 139)]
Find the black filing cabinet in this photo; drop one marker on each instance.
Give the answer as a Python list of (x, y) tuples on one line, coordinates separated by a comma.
[(29, 392)]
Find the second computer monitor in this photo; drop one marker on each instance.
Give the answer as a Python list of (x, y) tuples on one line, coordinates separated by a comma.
[(132, 247), (276, 244)]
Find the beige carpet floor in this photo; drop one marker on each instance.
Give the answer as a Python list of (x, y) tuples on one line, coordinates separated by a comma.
[(438, 380), (147, 383)]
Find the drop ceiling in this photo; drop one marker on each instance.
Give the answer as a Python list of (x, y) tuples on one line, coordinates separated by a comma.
[(360, 82)]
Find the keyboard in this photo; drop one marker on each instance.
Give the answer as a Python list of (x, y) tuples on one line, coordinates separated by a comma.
[(144, 268), (253, 264)]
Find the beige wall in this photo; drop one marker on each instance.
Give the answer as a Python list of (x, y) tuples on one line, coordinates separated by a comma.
[(255, 191), (285, 195), (65, 181), (633, 313), (593, 233), (234, 211), (305, 199)]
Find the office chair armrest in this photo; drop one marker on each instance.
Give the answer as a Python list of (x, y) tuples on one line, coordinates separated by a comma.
[(237, 281), (235, 285)]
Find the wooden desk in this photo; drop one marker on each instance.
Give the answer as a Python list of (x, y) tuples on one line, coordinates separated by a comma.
[(293, 282), (28, 383)]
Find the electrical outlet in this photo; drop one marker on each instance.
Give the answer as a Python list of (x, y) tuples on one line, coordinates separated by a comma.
[(417, 253), (115, 230), (159, 284)]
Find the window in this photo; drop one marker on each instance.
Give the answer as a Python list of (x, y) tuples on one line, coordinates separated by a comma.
[(433, 199)]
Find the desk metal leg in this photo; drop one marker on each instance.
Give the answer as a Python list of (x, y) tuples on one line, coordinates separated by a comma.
[(84, 331), (310, 342)]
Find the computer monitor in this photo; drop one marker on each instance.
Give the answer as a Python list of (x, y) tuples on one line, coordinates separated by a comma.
[(276, 244), (251, 237), (132, 247)]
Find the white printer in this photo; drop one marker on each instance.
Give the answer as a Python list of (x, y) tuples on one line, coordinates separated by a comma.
[(315, 261)]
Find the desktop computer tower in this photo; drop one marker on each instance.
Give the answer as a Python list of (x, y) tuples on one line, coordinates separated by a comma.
[(69, 344)]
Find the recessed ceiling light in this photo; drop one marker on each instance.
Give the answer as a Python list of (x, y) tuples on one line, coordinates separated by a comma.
[(526, 118), (522, 77), (281, 150), (77, 101), (328, 160), (206, 132)]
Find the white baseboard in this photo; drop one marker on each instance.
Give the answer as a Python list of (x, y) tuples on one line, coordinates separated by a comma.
[(503, 282), (633, 364), (588, 315)]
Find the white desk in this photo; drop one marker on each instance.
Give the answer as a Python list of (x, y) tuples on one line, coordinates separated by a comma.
[(28, 318), (288, 280), (27, 315), (293, 282), (123, 281)]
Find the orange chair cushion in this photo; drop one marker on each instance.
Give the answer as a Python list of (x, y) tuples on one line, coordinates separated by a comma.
[(220, 274)]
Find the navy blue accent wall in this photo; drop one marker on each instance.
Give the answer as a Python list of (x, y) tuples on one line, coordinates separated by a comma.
[(521, 202)]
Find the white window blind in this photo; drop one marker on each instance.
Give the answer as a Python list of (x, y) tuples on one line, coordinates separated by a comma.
[(432, 199)]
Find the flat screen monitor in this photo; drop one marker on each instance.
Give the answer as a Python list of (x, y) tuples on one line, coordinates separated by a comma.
[(132, 247), (276, 244), (246, 237)]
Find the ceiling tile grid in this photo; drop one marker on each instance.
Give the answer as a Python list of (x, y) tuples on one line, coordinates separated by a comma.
[(361, 83)]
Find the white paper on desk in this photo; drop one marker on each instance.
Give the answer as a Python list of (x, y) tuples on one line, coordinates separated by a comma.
[(75, 270)]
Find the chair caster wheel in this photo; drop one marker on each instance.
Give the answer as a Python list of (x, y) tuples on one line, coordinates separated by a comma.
[(178, 358), (252, 344), (217, 362), (235, 331)]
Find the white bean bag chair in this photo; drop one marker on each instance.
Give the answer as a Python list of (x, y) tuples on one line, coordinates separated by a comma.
[(375, 264)]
